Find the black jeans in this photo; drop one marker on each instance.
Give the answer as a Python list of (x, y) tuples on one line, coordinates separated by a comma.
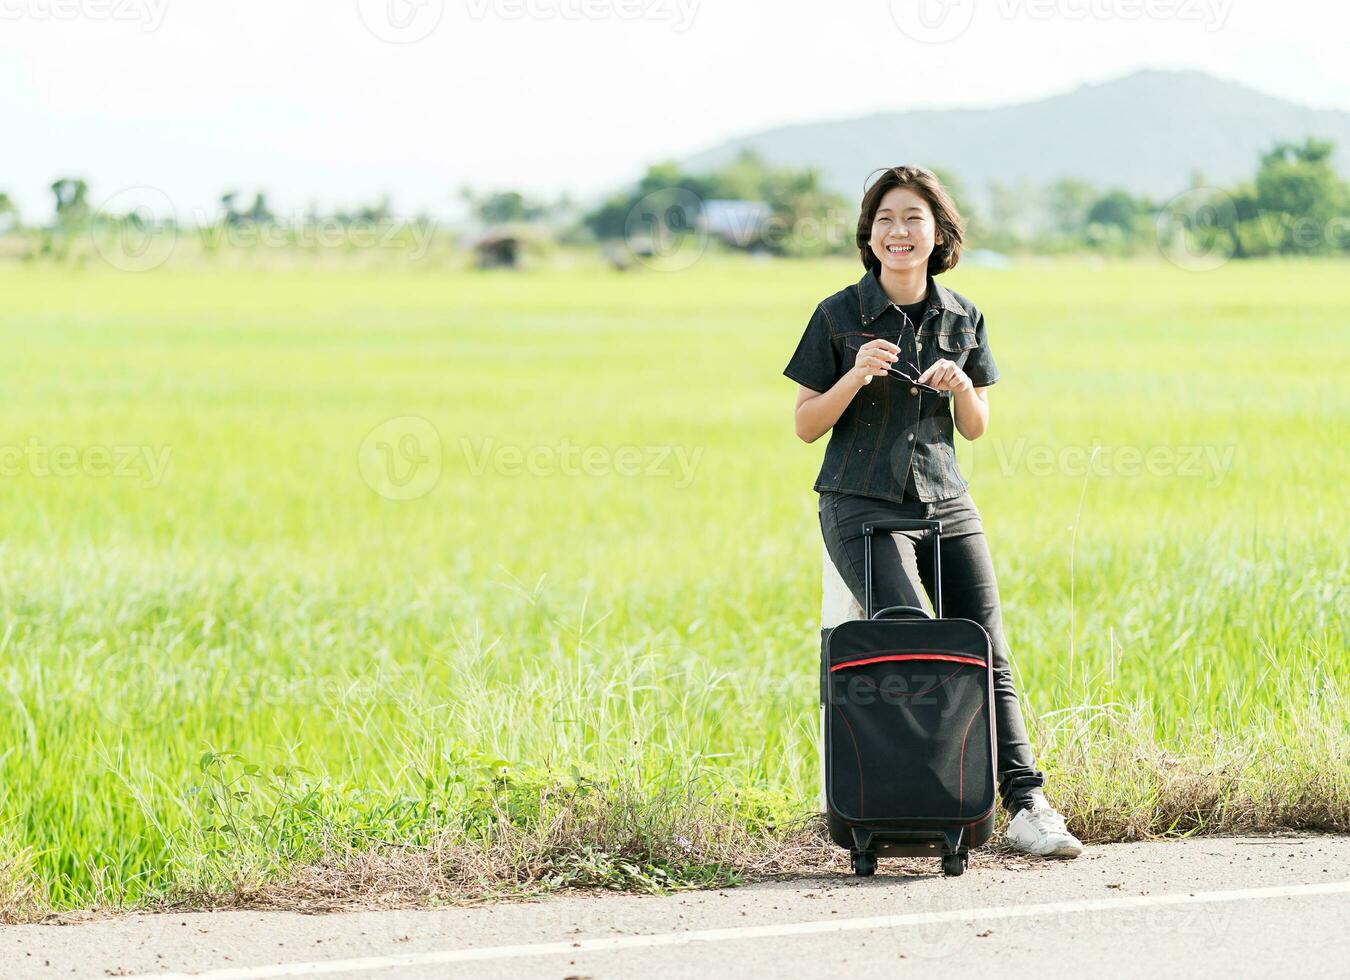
[(969, 591)]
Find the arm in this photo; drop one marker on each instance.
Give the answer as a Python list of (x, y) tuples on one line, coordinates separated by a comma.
[(970, 398), (817, 411), (970, 411)]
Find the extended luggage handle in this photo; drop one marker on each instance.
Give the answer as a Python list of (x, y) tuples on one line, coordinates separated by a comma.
[(900, 611), (902, 525)]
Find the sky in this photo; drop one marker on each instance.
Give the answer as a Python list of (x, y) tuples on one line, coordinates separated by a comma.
[(337, 102)]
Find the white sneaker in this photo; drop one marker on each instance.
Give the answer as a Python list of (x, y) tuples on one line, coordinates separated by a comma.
[(1040, 830)]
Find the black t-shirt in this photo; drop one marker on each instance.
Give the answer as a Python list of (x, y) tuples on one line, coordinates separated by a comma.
[(915, 312)]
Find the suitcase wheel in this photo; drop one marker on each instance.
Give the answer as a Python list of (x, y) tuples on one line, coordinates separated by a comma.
[(955, 864), (864, 863)]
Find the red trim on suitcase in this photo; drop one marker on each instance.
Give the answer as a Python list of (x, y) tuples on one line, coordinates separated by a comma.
[(909, 656), (961, 777), (858, 755)]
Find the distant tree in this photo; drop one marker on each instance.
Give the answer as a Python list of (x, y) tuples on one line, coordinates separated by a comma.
[(804, 217), (72, 203), (260, 213), (608, 219), (377, 213), (1116, 208), (71, 217), (741, 180), (807, 219), (501, 207), (231, 215), (1253, 233), (257, 213), (1068, 202), (663, 189), (666, 176), (1297, 187), (956, 187), (9, 214)]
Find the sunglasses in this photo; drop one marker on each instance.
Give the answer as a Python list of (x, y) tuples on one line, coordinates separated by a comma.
[(898, 373)]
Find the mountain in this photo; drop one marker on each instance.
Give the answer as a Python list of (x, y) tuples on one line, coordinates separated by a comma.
[(1147, 133)]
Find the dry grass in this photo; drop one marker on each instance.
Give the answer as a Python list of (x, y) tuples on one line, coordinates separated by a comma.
[(620, 841)]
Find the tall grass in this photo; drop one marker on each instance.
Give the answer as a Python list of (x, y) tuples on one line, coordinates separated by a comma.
[(527, 680)]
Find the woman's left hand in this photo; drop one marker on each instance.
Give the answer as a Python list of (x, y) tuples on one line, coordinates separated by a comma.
[(944, 375)]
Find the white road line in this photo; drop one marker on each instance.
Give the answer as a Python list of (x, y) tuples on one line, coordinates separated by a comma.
[(749, 932)]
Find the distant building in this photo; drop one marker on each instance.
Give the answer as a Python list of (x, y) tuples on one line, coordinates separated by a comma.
[(505, 246), (738, 223)]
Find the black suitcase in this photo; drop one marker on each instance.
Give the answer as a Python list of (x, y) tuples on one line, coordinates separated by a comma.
[(908, 728)]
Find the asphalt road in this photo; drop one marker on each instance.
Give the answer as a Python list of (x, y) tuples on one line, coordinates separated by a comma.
[(1231, 907)]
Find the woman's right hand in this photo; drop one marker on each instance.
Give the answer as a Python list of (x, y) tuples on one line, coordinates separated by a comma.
[(874, 357)]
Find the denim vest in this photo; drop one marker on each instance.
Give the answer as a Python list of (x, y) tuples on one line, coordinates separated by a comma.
[(890, 425)]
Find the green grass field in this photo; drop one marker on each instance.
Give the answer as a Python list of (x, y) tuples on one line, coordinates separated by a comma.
[(589, 647)]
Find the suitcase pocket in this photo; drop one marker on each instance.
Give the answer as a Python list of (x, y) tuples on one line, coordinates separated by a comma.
[(909, 737)]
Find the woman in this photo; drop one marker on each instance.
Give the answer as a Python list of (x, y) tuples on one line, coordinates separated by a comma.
[(878, 365)]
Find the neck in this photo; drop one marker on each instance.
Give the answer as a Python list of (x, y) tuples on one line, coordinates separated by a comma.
[(906, 286)]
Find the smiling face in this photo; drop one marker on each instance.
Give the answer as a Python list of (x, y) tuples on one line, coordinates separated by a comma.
[(903, 230)]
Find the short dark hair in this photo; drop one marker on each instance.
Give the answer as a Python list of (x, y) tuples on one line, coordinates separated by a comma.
[(945, 215)]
